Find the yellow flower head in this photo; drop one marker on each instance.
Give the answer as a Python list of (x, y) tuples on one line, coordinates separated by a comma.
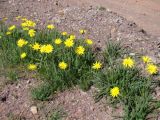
[(128, 62), (80, 50), (46, 48), (64, 33), (82, 31), (49, 48), (50, 26), (97, 65), (23, 55), (21, 42), (89, 41), (31, 32), (25, 28), (11, 27), (68, 42), (72, 37), (146, 59), (58, 41), (43, 49), (114, 92), (28, 23), (62, 65), (32, 67), (5, 19), (8, 33), (152, 69), (36, 46), (18, 17), (24, 19)]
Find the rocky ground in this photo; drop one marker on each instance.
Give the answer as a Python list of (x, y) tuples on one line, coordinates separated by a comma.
[(102, 25)]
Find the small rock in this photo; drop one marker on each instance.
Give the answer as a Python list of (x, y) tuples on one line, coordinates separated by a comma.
[(34, 110), (132, 54)]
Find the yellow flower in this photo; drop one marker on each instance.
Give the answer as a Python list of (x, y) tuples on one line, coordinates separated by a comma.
[(31, 33), (80, 50), (58, 41), (8, 33), (43, 48), (114, 92), (49, 48), (23, 55), (89, 41), (152, 69), (24, 19), (97, 65), (62, 65), (146, 59), (32, 67), (28, 23), (11, 27), (64, 33), (46, 48), (18, 17), (36, 46), (24, 24), (68, 42), (128, 62), (25, 28), (5, 19), (21, 42), (50, 26), (82, 31), (72, 37)]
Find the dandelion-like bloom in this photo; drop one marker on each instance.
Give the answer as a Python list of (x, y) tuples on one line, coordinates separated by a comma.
[(58, 41), (72, 37), (23, 55), (146, 59), (28, 23), (31, 32), (36, 46), (25, 28), (114, 92), (11, 27), (62, 65), (43, 48), (21, 42), (18, 17), (80, 50), (32, 67), (89, 41), (82, 31), (8, 33), (68, 42), (49, 48), (97, 65), (50, 26), (128, 62), (152, 69), (64, 33), (46, 48)]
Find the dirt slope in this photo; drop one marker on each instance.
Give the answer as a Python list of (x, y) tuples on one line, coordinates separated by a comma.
[(145, 13)]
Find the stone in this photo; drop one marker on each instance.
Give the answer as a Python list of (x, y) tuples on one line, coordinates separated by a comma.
[(34, 110)]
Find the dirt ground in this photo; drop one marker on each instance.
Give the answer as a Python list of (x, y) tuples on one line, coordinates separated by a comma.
[(102, 25), (145, 13)]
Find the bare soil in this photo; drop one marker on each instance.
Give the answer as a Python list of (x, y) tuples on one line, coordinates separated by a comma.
[(102, 25)]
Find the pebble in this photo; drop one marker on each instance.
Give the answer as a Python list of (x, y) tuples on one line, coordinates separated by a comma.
[(34, 110)]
